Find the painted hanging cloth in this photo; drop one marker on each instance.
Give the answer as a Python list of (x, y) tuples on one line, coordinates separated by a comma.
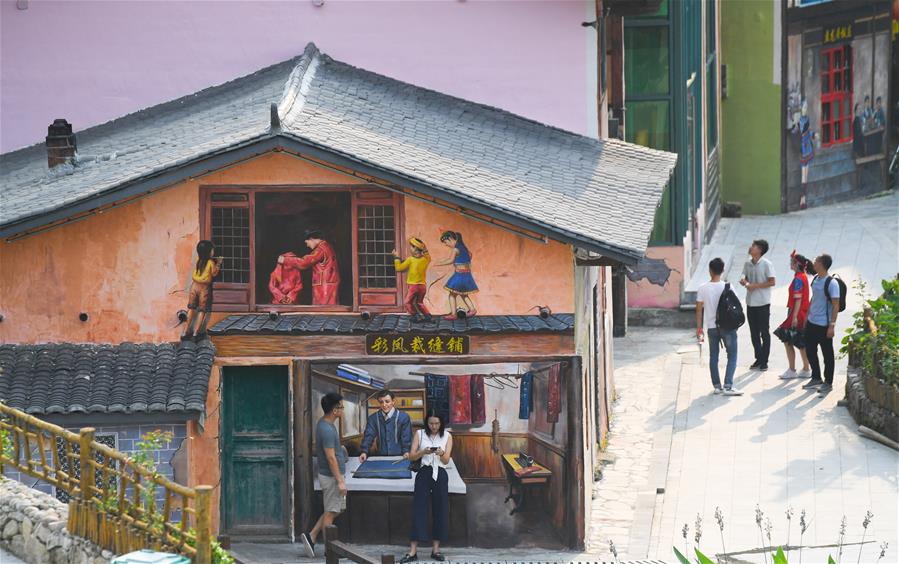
[(524, 407), (460, 399), (478, 400), (554, 395), (437, 392)]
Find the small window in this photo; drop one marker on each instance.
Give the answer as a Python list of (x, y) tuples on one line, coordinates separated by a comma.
[(836, 95), (252, 227)]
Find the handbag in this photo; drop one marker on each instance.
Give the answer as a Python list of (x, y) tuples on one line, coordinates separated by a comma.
[(415, 465)]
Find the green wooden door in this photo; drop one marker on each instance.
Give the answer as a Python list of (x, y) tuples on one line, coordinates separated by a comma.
[(255, 455)]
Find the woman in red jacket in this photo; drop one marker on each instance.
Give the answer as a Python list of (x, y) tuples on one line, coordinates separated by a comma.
[(797, 310), (323, 262)]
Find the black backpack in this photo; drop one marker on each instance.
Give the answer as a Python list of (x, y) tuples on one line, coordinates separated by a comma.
[(842, 286), (729, 314)]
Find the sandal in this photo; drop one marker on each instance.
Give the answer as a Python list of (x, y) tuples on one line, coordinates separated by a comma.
[(438, 557), (409, 558)]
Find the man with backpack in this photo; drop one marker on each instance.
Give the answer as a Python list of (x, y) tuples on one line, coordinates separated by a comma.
[(828, 300), (758, 279), (719, 309)]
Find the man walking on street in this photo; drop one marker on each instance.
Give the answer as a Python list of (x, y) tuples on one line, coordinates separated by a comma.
[(707, 298), (758, 279), (820, 327)]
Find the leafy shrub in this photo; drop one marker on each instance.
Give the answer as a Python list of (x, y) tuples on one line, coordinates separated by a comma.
[(878, 355)]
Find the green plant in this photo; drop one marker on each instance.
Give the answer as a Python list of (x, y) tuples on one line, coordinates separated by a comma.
[(877, 355), (219, 554)]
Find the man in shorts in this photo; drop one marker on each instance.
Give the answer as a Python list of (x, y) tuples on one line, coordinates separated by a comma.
[(331, 469)]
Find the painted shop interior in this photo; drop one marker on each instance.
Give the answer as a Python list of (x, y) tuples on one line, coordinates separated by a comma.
[(313, 143)]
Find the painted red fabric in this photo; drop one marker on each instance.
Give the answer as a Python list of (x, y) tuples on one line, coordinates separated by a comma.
[(285, 283), (478, 400), (554, 395), (325, 272), (460, 399)]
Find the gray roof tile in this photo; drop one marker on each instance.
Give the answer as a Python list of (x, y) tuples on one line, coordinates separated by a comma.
[(259, 324), (127, 378), (577, 188)]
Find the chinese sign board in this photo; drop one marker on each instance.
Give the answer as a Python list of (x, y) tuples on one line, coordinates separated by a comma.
[(838, 33), (379, 344)]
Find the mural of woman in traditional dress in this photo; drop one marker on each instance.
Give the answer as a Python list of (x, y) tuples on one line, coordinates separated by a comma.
[(807, 148), (461, 284)]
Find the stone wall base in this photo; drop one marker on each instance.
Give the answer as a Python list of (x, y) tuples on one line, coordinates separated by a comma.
[(33, 527), (866, 412)]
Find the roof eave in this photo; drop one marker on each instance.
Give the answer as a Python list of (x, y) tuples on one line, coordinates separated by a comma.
[(270, 141)]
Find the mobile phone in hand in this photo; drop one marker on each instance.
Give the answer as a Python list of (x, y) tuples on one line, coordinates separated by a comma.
[(433, 449)]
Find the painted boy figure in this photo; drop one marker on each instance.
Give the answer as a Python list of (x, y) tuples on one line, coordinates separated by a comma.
[(285, 283), (416, 267), (323, 262)]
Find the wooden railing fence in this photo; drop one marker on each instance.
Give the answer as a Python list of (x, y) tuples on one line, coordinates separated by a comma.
[(113, 498), (336, 549)]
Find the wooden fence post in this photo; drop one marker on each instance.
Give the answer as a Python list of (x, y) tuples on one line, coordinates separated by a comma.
[(204, 524), (331, 535), (86, 437)]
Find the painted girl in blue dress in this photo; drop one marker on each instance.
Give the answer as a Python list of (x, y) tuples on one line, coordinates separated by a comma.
[(461, 284)]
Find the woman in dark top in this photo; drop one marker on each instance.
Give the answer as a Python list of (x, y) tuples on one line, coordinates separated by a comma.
[(433, 446)]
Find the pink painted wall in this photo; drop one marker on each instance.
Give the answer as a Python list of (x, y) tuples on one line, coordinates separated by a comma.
[(91, 61), (645, 294)]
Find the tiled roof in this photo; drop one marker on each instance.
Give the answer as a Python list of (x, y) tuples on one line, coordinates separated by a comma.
[(599, 193), (127, 378), (262, 324)]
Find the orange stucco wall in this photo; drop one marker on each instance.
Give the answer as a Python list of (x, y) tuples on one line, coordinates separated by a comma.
[(129, 267), (513, 273)]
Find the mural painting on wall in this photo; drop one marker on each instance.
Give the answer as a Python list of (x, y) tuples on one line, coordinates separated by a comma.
[(836, 114), (199, 302), (419, 435), (322, 260), (416, 267), (460, 286), (655, 271)]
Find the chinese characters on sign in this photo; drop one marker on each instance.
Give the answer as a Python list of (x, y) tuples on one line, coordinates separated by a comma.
[(837, 33), (416, 344)]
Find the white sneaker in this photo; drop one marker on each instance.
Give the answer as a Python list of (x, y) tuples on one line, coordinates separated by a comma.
[(805, 373), (789, 374), (732, 392), (718, 391)]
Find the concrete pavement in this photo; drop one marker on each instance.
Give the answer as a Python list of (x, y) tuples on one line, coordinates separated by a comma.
[(777, 446)]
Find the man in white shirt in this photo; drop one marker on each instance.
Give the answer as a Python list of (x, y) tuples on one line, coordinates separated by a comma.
[(706, 308), (758, 279)]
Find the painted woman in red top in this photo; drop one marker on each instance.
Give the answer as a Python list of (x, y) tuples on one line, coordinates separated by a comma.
[(792, 329), (323, 262)]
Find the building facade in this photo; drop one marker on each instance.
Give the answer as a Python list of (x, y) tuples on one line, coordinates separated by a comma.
[(672, 99), (313, 152), (836, 108)]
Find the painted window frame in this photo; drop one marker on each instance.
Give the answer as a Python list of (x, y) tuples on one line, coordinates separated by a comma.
[(241, 297), (836, 98)]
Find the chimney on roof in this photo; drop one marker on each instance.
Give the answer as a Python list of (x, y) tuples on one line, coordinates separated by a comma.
[(60, 143)]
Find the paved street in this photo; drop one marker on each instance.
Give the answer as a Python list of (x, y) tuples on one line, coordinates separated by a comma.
[(777, 446)]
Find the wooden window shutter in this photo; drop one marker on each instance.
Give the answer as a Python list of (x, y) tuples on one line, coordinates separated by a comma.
[(378, 220), (228, 224)]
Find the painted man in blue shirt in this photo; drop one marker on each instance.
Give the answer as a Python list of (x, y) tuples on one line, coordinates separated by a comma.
[(820, 328), (391, 427)]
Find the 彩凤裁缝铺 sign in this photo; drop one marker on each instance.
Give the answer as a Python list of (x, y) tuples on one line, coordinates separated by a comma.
[(384, 344)]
